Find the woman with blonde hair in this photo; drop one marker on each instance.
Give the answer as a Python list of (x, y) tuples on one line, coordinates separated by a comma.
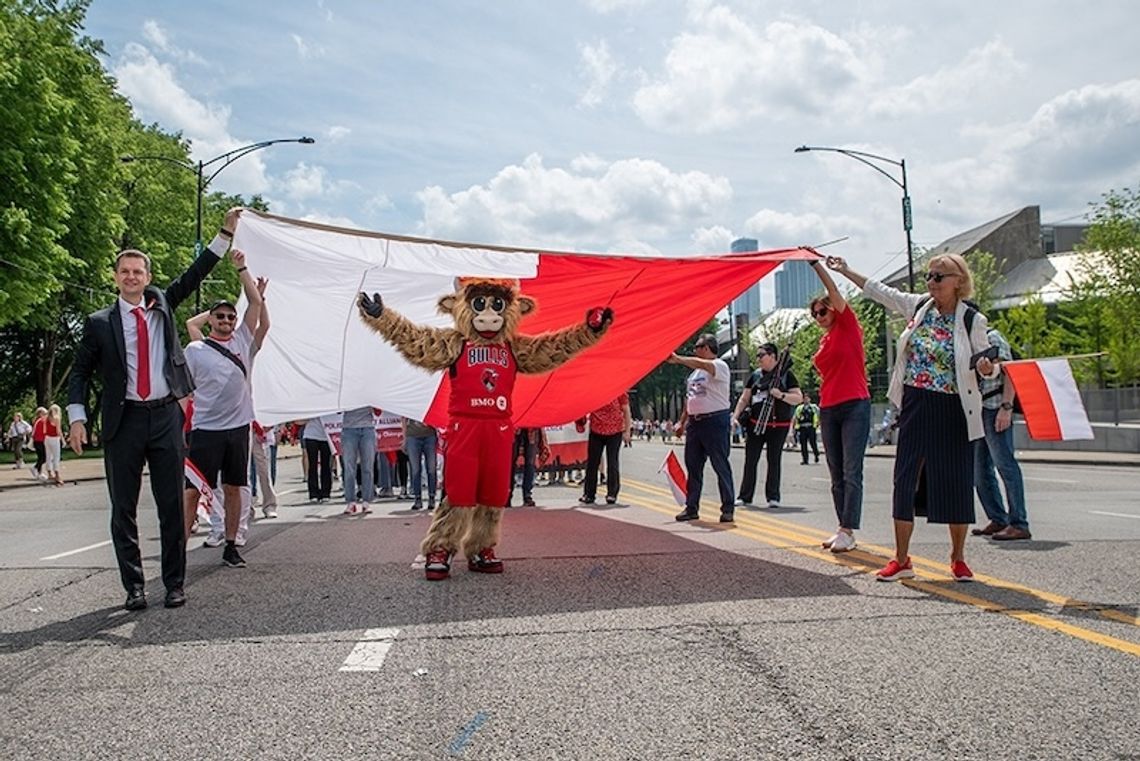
[(935, 387), (53, 444)]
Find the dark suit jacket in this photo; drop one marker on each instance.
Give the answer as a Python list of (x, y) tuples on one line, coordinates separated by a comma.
[(103, 347)]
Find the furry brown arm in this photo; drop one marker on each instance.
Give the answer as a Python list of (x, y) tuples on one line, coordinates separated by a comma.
[(546, 351), (430, 348)]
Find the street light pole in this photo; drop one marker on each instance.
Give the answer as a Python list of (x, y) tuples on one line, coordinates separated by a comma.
[(202, 181), (868, 158)]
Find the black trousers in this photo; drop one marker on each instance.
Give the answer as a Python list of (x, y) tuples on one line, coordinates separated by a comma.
[(612, 446), (320, 468), (773, 438), (807, 435), (150, 435)]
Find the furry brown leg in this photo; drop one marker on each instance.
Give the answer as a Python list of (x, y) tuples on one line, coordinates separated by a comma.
[(448, 527), (483, 530)]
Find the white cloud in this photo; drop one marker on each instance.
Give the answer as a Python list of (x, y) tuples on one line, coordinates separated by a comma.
[(725, 72), (157, 36), (599, 69), (712, 240), (304, 181), (307, 50), (337, 132), (951, 87), (156, 95), (335, 220), (378, 203), (611, 6), (633, 200)]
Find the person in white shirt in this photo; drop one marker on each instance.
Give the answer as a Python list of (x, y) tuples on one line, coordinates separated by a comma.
[(18, 435), (223, 407), (705, 424)]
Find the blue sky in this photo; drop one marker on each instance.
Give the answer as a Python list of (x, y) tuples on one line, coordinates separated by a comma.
[(638, 126)]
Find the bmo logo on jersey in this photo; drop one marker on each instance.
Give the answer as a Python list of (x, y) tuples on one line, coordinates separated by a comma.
[(499, 402)]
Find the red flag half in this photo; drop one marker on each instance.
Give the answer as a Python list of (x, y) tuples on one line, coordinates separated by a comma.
[(1050, 401), (675, 476)]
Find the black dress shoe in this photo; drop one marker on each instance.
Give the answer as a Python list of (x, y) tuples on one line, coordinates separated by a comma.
[(136, 599), (726, 518), (175, 598), (685, 515)]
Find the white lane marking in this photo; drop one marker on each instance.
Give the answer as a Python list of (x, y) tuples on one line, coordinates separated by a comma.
[(824, 480), (1113, 515), (76, 552), (1050, 480), (370, 652)]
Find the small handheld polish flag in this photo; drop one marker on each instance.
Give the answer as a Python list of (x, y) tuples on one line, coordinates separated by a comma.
[(675, 475), (1050, 400)]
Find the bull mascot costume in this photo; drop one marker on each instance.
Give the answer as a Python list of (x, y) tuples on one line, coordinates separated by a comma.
[(482, 354)]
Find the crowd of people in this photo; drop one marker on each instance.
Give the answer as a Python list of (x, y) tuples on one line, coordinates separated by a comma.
[(188, 411)]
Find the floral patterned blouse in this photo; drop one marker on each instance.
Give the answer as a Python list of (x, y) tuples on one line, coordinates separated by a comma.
[(930, 364)]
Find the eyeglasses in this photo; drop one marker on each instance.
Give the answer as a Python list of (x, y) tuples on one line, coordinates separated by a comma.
[(225, 316), (938, 276), (817, 313)]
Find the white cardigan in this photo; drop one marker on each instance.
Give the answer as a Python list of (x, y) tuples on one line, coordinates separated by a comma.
[(965, 346)]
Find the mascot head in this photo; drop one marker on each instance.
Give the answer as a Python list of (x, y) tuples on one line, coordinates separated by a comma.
[(486, 310)]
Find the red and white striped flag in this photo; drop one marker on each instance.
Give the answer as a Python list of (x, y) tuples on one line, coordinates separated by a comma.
[(1050, 401), (199, 482), (675, 475)]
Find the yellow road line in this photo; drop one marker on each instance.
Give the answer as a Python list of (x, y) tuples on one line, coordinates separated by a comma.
[(793, 538)]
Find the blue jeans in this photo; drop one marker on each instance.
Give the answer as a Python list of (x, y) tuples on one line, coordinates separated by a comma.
[(271, 456), (384, 469), (529, 452), (845, 428), (421, 456), (707, 438), (358, 447), (996, 449)]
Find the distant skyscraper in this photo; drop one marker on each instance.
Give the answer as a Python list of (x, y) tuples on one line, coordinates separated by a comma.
[(795, 285), (748, 302)]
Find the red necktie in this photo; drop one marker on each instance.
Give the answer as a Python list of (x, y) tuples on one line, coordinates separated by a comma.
[(143, 347)]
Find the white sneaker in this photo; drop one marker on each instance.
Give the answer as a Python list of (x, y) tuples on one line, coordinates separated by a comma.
[(741, 503), (269, 512), (773, 503), (351, 508), (365, 508), (844, 542), (214, 540), (239, 542), (831, 540)]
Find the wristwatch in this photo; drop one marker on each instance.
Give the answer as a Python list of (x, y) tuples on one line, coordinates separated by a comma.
[(1007, 405)]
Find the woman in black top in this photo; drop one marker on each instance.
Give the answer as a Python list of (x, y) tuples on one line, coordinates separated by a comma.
[(777, 381)]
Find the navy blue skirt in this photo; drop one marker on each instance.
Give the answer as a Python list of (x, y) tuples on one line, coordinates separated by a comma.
[(934, 461)]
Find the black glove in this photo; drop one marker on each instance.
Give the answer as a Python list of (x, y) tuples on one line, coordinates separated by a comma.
[(372, 307), (598, 318)]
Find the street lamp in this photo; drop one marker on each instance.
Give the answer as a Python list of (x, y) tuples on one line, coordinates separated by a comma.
[(203, 180), (867, 159)]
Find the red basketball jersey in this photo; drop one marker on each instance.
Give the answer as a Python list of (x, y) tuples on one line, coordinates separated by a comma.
[(482, 380)]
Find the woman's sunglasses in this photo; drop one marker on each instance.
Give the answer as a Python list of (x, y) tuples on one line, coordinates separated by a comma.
[(817, 313), (938, 276)]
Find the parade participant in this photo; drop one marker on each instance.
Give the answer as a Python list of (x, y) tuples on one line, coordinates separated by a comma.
[(483, 353), (705, 426), (133, 345), (53, 444), (772, 385), (996, 449), (223, 407), (358, 451), (420, 441), (935, 387), (531, 449), (18, 434), (39, 432), (845, 406), (805, 419), (610, 427)]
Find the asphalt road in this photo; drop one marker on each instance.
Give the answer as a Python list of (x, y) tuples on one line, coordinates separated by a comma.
[(615, 632)]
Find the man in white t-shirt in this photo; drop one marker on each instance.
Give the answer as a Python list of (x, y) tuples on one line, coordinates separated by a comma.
[(706, 424), (223, 407)]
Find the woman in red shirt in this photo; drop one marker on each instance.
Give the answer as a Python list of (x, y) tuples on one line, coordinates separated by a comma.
[(844, 405), (53, 444), (39, 432)]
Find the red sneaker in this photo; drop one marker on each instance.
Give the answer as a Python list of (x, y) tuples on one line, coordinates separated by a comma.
[(438, 565), (960, 571), (893, 571), (485, 562)]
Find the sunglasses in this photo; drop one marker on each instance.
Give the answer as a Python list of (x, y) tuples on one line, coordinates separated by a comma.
[(938, 276), (817, 313), (225, 316)]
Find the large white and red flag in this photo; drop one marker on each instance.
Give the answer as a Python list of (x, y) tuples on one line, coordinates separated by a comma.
[(675, 476), (320, 357), (1050, 401)]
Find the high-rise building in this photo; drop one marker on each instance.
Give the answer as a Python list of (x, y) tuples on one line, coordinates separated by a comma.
[(795, 285), (748, 303)]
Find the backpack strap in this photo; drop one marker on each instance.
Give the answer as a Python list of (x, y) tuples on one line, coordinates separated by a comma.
[(227, 354), (971, 311)]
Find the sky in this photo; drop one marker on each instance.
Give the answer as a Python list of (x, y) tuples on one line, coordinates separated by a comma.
[(645, 127)]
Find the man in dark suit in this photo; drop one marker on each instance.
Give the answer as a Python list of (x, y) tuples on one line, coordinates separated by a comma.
[(134, 348)]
